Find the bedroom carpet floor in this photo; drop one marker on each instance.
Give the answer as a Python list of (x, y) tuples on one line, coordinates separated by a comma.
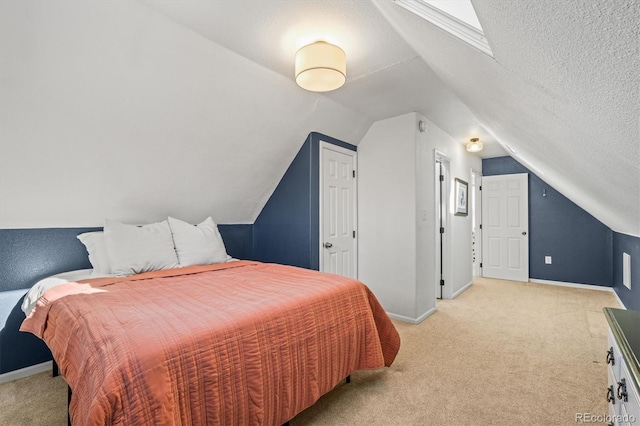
[(502, 353)]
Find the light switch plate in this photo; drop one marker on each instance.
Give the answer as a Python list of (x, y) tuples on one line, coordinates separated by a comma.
[(547, 260)]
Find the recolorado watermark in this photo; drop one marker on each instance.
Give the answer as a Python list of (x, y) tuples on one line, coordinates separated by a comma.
[(605, 418)]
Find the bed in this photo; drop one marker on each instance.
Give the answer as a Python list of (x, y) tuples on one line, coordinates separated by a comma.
[(231, 343)]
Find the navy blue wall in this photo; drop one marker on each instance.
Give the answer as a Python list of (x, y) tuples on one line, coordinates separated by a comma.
[(580, 245), (238, 240), (28, 255), (623, 243), (287, 230)]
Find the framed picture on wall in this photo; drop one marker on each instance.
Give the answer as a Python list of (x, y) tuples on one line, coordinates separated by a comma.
[(462, 197)]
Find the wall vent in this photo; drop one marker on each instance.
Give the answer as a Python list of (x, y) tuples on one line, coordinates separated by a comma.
[(626, 270)]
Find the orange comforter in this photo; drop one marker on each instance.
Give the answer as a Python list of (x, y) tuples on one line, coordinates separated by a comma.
[(237, 343)]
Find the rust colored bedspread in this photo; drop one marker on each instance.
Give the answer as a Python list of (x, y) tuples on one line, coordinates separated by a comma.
[(237, 343)]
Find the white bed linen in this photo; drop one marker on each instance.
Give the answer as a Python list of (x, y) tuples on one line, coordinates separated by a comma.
[(45, 284)]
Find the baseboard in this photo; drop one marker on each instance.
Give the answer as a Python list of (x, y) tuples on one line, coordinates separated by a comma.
[(574, 285), (26, 372), (615, 293), (412, 320), (582, 286), (459, 292)]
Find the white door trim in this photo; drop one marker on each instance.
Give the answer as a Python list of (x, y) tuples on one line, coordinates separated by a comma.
[(477, 211), (354, 155)]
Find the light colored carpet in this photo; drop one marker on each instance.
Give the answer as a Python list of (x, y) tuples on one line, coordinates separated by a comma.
[(502, 353)]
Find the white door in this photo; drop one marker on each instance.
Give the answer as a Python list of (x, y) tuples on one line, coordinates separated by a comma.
[(338, 244), (505, 227)]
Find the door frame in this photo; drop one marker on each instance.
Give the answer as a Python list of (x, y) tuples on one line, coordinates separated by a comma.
[(445, 160), (476, 178), (354, 158)]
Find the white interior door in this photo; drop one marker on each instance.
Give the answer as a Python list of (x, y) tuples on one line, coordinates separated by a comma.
[(338, 250), (505, 227)]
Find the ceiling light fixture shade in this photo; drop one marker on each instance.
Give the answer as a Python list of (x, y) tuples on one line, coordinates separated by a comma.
[(474, 145), (321, 67)]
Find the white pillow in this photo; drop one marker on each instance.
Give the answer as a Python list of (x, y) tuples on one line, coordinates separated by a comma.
[(198, 245), (94, 242), (136, 249)]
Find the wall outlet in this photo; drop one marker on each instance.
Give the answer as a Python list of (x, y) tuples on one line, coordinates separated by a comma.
[(626, 270), (547, 260)]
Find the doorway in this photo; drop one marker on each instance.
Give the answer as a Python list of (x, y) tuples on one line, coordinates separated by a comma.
[(442, 202)]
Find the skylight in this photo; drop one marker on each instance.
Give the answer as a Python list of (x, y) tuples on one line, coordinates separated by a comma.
[(455, 16)]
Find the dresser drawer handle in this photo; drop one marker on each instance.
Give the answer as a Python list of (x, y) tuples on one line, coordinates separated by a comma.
[(622, 390), (610, 395), (610, 359)]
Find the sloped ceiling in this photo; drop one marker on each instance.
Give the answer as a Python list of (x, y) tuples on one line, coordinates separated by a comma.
[(138, 110), (385, 76), (110, 110), (563, 92), (100, 98)]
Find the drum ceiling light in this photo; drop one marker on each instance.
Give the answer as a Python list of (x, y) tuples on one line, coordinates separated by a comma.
[(321, 67)]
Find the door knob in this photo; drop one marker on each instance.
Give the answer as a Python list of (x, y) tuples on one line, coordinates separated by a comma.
[(524, 232), (328, 245)]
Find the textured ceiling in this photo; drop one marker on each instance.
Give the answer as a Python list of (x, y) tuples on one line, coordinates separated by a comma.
[(562, 92)]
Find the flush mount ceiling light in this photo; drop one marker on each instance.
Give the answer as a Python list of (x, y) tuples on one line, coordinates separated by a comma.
[(321, 67), (474, 145)]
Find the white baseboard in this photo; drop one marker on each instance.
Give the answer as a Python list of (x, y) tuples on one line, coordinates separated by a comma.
[(574, 285), (582, 286), (26, 372), (412, 320), (459, 292), (615, 293)]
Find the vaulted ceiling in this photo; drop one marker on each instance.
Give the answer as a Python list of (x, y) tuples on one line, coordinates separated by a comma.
[(200, 96), (562, 94)]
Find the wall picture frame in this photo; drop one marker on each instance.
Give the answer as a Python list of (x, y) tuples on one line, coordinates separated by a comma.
[(462, 198)]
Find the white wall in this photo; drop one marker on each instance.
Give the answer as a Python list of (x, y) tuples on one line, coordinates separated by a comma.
[(110, 109), (397, 241), (387, 213)]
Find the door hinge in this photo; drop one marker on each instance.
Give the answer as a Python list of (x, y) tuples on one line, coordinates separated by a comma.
[(442, 230), (354, 173), (354, 234), (480, 187), (480, 226), (442, 282), (441, 178), (481, 264)]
